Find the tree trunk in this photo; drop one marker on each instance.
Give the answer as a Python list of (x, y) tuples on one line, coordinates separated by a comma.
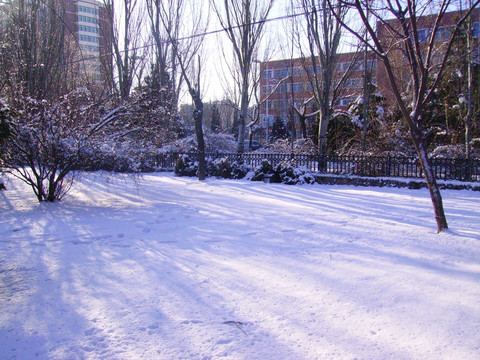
[(241, 119), (303, 125), (433, 188), (198, 117), (322, 132)]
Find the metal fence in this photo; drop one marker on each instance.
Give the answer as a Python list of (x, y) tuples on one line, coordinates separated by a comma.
[(370, 166)]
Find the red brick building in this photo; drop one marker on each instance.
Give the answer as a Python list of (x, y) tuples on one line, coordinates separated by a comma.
[(287, 82), (294, 76)]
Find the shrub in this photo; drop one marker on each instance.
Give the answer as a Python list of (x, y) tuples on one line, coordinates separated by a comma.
[(284, 172), (222, 168), (240, 170), (185, 166), (264, 170)]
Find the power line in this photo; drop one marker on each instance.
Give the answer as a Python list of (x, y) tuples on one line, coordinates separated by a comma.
[(199, 35), (189, 37)]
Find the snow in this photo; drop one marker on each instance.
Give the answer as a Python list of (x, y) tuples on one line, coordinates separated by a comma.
[(163, 267)]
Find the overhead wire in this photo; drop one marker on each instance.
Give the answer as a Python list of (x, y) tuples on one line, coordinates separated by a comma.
[(184, 38)]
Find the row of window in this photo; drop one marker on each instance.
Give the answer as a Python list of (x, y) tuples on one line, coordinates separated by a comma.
[(356, 66), (87, 19), (87, 9), (296, 87), (443, 33), (87, 28), (280, 104), (355, 83), (297, 71), (90, 48), (88, 38)]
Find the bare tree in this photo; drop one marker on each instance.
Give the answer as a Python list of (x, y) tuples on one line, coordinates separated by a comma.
[(165, 17), (244, 23), (50, 140), (469, 83), (424, 58), (126, 23), (324, 33), (36, 48), (187, 52)]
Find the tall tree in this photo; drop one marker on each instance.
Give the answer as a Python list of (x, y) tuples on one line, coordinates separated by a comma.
[(165, 17), (36, 49), (126, 23), (216, 122), (244, 24), (324, 32), (188, 53), (402, 38)]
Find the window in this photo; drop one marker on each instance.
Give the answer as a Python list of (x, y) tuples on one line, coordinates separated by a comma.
[(354, 83), (88, 38), (424, 35), (358, 66), (281, 88), (90, 48), (87, 9), (87, 19), (280, 73), (88, 29), (296, 71), (346, 101), (443, 34), (267, 74), (297, 87), (476, 29)]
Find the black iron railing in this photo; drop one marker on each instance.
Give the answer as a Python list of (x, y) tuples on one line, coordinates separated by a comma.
[(370, 166)]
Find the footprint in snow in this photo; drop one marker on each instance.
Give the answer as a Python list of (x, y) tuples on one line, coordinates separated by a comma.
[(224, 341)]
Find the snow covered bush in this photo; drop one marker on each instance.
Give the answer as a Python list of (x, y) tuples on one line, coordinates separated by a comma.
[(264, 171), (222, 167), (51, 140), (284, 172), (450, 152), (186, 166), (47, 144), (291, 175)]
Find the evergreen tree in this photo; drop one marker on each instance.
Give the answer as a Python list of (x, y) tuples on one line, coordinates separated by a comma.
[(279, 129), (215, 126)]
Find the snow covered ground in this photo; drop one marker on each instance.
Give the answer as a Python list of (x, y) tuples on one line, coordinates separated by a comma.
[(171, 268)]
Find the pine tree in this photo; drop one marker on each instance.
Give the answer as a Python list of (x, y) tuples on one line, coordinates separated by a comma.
[(215, 126)]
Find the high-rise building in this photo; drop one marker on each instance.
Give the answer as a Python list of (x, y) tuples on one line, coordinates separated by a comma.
[(88, 21), (84, 25)]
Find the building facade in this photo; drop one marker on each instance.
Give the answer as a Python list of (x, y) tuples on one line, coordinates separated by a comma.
[(288, 82), (88, 21), (83, 24)]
